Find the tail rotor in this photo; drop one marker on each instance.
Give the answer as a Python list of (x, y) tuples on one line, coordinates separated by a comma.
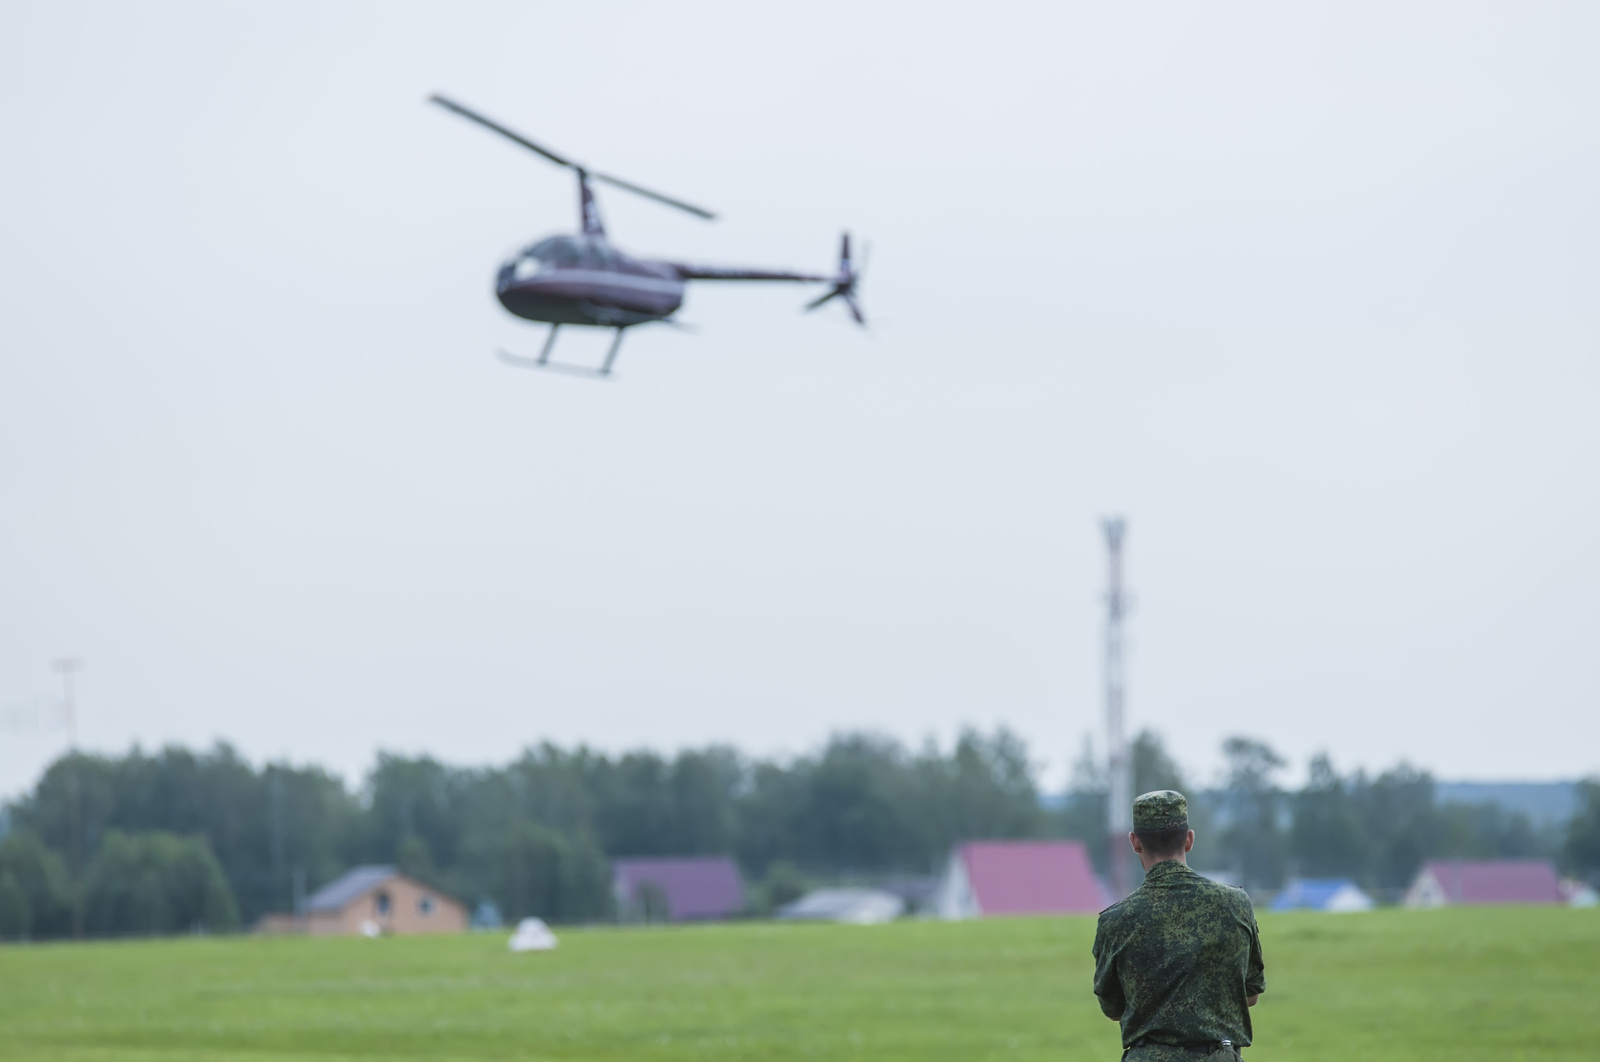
[(844, 284)]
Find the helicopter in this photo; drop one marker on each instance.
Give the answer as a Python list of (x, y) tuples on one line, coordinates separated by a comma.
[(582, 279)]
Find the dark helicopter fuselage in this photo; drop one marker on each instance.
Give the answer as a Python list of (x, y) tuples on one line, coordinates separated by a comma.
[(583, 280)]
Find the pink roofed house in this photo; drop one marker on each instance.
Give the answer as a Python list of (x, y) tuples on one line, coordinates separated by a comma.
[(686, 889), (988, 878), (1448, 882)]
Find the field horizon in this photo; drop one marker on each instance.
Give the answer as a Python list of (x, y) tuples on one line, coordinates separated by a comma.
[(1467, 983)]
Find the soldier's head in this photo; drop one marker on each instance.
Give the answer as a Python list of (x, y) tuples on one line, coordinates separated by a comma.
[(1161, 827)]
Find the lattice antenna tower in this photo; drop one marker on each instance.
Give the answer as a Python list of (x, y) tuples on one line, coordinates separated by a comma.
[(68, 667), (1119, 772)]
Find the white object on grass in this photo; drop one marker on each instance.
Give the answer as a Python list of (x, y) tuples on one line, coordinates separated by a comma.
[(532, 935)]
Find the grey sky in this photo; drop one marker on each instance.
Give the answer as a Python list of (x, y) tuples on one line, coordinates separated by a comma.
[(1307, 291)]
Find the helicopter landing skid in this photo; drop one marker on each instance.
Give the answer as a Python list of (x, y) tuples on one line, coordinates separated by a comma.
[(543, 360), (518, 361)]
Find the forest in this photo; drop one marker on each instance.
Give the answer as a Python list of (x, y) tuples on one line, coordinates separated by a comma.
[(179, 840)]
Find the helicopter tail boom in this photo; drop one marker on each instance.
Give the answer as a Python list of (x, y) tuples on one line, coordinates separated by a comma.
[(844, 280)]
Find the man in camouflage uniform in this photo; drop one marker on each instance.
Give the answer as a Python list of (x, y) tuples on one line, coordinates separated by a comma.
[(1178, 963)]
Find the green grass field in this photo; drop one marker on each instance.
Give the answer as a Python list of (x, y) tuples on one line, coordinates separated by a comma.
[(1460, 984)]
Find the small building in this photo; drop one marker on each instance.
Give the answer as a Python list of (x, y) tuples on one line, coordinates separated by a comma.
[(988, 878), (1225, 876), (1451, 882), (687, 889), (861, 907), (916, 892), (1322, 894), (486, 915), (372, 900)]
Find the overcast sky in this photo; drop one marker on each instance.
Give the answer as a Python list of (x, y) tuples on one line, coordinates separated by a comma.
[(1306, 291)]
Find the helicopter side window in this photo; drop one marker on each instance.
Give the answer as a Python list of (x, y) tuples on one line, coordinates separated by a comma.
[(526, 267), (558, 252), (597, 254)]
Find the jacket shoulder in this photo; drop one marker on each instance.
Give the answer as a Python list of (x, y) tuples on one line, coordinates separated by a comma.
[(1126, 909), (1112, 915), (1231, 896), (1237, 895)]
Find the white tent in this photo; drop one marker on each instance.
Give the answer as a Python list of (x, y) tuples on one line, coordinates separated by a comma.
[(532, 935)]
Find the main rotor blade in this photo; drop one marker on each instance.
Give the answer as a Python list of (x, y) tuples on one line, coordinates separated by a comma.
[(488, 123), (474, 116), (657, 196)]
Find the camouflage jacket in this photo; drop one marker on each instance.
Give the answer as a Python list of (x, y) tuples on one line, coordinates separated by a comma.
[(1174, 961)]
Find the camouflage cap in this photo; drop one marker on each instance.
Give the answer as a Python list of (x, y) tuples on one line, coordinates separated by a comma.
[(1165, 809)]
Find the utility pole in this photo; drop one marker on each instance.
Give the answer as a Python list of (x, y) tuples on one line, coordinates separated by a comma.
[(275, 831), (70, 666), (1119, 796)]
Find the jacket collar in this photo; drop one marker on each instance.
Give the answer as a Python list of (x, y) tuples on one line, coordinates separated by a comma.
[(1166, 870)]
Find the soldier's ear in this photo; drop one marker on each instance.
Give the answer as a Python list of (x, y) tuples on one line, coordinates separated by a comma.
[(1188, 842)]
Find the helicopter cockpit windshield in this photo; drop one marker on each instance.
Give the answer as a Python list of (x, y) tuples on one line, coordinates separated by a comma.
[(557, 252), (562, 252)]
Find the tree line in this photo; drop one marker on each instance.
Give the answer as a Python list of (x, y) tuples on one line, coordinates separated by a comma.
[(1376, 829), (178, 840)]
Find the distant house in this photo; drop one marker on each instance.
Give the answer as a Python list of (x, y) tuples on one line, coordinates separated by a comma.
[(987, 878), (917, 892), (1576, 893), (862, 907), (1226, 876), (676, 889), (371, 900), (1322, 894), (1449, 882)]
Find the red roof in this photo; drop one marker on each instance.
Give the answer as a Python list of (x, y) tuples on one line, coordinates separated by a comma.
[(1032, 877), (1496, 880)]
